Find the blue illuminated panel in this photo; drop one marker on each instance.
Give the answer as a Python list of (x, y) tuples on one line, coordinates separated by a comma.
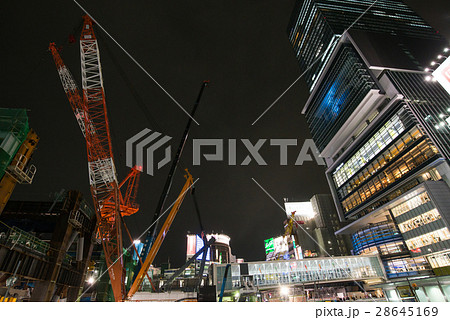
[(198, 246)]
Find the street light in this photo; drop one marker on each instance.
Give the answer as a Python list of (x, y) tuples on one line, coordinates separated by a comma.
[(284, 291)]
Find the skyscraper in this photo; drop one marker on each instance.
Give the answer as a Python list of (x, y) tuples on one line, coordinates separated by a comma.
[(382, 127), (316, 26)]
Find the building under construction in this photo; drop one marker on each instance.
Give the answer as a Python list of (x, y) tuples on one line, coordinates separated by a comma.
[(45, 247)]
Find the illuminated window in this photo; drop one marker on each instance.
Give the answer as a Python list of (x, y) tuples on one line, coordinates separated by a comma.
[(392, 128), (410, 204), (418, 221), (406, 265), (428, 238), (439, 260), (381, 162)]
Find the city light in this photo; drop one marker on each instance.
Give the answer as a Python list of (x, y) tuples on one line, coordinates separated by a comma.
[(284, 291), (427, 78), (91, 280), (137, 241), (303, 210)]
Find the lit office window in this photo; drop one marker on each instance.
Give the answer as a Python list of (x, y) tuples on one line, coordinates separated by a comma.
[(428, 238), (380, 162), (397, 170), (418, 221), (392, 128)]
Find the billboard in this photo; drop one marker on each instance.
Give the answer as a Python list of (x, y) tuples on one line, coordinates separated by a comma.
[(268, 244), (199, 245), (442, 74), (139, 245), (191, 241), (282, 248), (303, 210), (194, 244)]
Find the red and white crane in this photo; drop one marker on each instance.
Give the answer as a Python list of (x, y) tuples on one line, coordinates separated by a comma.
[(91, 114), (89, 108)]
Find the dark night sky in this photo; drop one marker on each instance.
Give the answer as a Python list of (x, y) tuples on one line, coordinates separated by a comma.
[(240, 46)]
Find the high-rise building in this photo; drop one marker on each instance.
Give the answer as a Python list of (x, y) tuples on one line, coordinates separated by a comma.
[(383, 126), (316, 26)]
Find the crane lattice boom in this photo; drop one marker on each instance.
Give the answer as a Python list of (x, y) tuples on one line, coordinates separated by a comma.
[(90, 111)]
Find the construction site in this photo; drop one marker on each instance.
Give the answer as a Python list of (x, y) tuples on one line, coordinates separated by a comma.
[(64, 249), (118, 215)]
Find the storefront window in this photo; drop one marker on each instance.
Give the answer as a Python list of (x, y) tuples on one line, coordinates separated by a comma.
[(439, 260), (418, 221), (410, 204), (428, 238)]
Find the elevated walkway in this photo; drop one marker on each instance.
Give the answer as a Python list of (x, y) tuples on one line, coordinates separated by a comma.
[(165, 296), (257, 276)]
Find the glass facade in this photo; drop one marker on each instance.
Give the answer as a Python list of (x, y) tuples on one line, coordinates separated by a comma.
[(439, 260), (385, 239), (383, 137), (395, 151), (410, 204), (375, 237), (430, 103), (406, 267), (428, 239), (302, 271), (316, 25), (419, 221), (401, 166), (379, 163), (423, 228), (346, 84), (431, 174)]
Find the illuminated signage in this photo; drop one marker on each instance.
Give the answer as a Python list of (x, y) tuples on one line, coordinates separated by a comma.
[(199, 245), (442, 74), (191, 241), (282, 248), (269, 245), (139, 247), (303, 210)]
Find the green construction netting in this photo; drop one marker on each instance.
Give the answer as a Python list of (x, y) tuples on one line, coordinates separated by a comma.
[(13, 131)]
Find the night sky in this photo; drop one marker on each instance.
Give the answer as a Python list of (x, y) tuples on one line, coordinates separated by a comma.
[(240, 46)]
